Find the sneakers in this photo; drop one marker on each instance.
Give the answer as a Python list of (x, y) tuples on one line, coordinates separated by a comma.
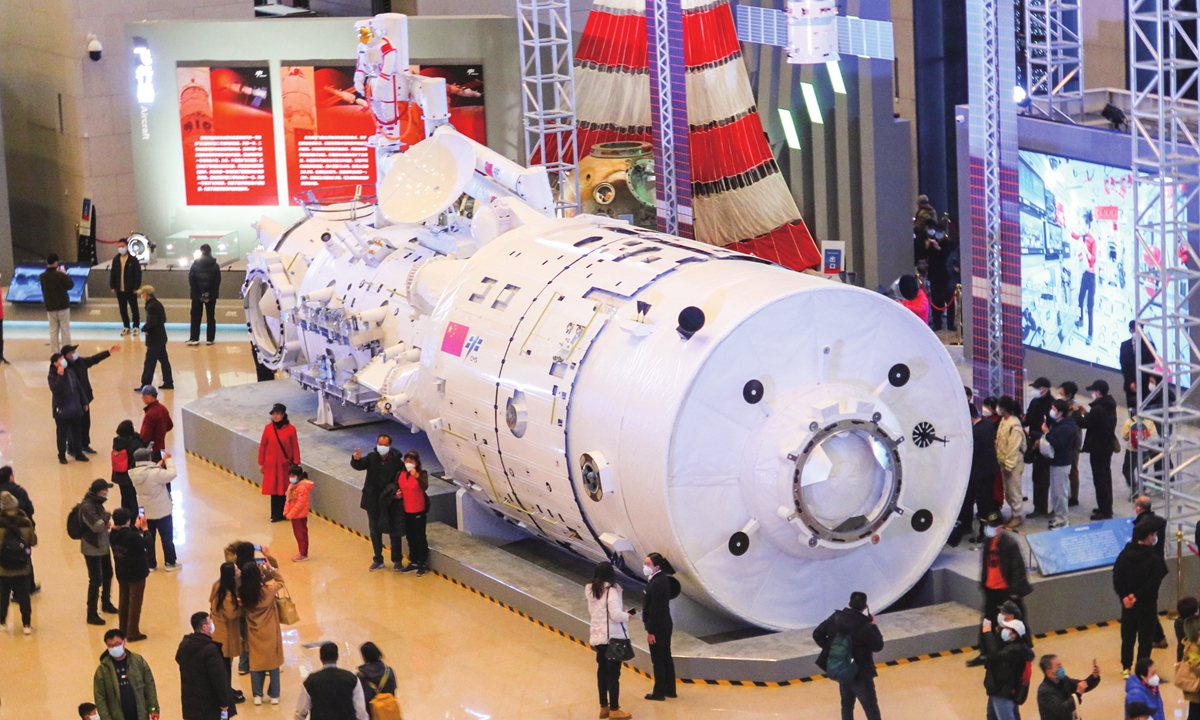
[(135, 637), (136, 330), (422, 569), (171, 567), (211, 342), (398, 567), (411, 567), (1161, 644), (258, 699), (977, 661), (1056, 524), (193, 343), (274, 701), (82, 458), (1125, 673), (62, 459), (375, 566), (89, 450), (109, 608), (166, 387), (124, 332), (239, 697), (27, 630), (300, 558), (96, 620)]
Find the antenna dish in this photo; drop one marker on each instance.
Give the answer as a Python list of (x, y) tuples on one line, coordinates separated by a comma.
[(427, 179)]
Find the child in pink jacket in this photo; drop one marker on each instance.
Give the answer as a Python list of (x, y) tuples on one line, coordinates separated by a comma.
[(296, 508)]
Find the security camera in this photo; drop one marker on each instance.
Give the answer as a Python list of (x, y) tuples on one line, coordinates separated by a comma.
[(94, 47)]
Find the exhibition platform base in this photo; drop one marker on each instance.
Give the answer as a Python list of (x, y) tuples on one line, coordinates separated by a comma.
[(496, 560)]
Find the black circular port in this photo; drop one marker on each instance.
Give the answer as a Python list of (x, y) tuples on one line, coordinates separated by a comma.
[(739, 543), (691, 319), (899, 374), (752, 392), (922, 520)]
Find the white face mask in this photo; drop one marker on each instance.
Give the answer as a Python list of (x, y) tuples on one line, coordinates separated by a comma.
[(412, 467), (62, 362), (94, 716), (74, 356), (1053, 414), (1153, 680), (293, 480), (382, 449), (989, 531), (1095, 396), (117, 651), (647, 570), (1042, 392), (122, 250), (1006, 635), (987, 412)]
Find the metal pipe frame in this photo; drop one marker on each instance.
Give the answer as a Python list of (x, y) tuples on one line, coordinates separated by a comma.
[(548, 96), (1053, 57), (1165, 127)]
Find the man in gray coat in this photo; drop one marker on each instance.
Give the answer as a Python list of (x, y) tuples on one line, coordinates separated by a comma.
[(94, 523)]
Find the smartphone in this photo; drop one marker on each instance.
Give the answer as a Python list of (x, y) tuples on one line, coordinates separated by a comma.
[(141, 512), (258, 548)]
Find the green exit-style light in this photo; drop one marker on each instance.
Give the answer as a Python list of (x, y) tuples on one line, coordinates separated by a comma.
[(810, 101), (789, 128)]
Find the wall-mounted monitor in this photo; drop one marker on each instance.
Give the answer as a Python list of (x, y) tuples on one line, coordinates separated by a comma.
[(27, 288)]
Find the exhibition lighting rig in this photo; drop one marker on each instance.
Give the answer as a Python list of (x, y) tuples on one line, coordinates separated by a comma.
[(616, 390)]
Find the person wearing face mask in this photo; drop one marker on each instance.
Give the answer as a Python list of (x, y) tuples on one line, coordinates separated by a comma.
[(296, 508), (1139, 711), (228, 623), (1008, 652), (151, 476), (857, 624), (131, 548), (123, 686), (156, 341), (1035, 416), (1058, 696), (67, 401), (123, 446), (1143, 687), (156, 422), (1002, 575), (1137, 575), (1067, 391), (1010, 454), (124, 278), (384, 514), (941, 289), (411, 484), (79, 365), (17, 537), (204, 690), (94, 523), (983, 471), (88, 711), (1129, 365), (278, 451), (661, 589), (1058, 443), (1099, 443), (56, 288)]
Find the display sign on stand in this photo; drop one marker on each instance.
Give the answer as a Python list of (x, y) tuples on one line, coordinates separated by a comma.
[(228, 131), (833, 253), (1080, 547)]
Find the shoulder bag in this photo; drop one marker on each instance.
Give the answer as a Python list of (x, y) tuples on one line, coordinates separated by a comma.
[(1185, 676), (619, 649), (279, 442), (286, 607)]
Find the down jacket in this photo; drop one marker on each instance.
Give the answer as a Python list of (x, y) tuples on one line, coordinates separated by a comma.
[(607, 614)]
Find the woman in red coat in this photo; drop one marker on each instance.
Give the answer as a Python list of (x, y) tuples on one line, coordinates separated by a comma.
[(278, 451)]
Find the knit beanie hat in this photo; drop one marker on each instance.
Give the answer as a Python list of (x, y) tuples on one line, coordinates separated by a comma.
[(8, 503)]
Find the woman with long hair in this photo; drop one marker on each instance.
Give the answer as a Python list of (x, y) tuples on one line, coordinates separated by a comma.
[(263, 634), (608, 618), (278, 451), (410, 489), (376, 676), (123, 447), (226, 614)]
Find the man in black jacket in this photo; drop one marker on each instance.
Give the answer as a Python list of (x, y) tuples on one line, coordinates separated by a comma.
[(67, 400), (204, 689), (130, 543), (857, 623), (384, 514), (1137, 575), (331, 693), (56, 285), (1035, 416), (1057, 693), (1100, 444), (1002, 576), (204, 281), (661, 589), (1129, 366), (124, 278), (984, 467), (156, 341), (79, 365), (1007, 653)]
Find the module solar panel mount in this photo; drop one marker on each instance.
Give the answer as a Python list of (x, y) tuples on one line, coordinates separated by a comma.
[(813, 32)]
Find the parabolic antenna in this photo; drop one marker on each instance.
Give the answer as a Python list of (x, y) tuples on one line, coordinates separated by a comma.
[(426, 179)]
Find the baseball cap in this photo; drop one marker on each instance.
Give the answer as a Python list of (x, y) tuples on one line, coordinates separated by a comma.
[(150, 390), (993, 520), (99, 484), (1101, 385), (1041, 383)]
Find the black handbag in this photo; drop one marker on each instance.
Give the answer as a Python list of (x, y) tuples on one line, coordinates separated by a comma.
[(619, 649)]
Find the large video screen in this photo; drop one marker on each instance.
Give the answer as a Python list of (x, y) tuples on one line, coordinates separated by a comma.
[(228, 129), (1077, 257), (26, 287)]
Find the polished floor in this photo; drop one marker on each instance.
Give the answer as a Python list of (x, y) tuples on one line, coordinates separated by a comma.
[(457, 656)]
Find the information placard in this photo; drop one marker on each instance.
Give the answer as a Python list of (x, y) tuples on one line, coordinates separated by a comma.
[(1080, 547), (228, 134)]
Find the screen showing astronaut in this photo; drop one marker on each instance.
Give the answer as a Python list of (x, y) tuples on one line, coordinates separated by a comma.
[(225, 118), (326, 127), (1077, 257)]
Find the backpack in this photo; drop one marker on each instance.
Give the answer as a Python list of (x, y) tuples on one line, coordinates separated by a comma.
[(74, 523), (14, 553), (1023, 690), (384, 706), (120, 461), (840, 664)]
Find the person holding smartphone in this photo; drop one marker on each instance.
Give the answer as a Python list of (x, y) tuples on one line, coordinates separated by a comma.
[(849, 639), (150, 477), (608, 616), (131, 545)]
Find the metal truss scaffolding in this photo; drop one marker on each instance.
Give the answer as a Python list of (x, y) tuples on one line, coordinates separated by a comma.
[(1164, 123), (997, 353), (668, 108), (1054, 58), (548, 95)]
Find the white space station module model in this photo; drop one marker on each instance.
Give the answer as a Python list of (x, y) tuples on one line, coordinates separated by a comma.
[(782, 439)]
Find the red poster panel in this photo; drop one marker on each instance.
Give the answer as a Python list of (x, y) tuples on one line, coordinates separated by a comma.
[(228, 134), (326, 128), (464, 90)]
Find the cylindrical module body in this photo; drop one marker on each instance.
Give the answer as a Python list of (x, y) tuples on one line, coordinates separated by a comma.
[(782, 439)]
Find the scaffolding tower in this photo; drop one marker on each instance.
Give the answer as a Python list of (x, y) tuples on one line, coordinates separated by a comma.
[(548, 96), (1165, 125), (1054, 58)]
